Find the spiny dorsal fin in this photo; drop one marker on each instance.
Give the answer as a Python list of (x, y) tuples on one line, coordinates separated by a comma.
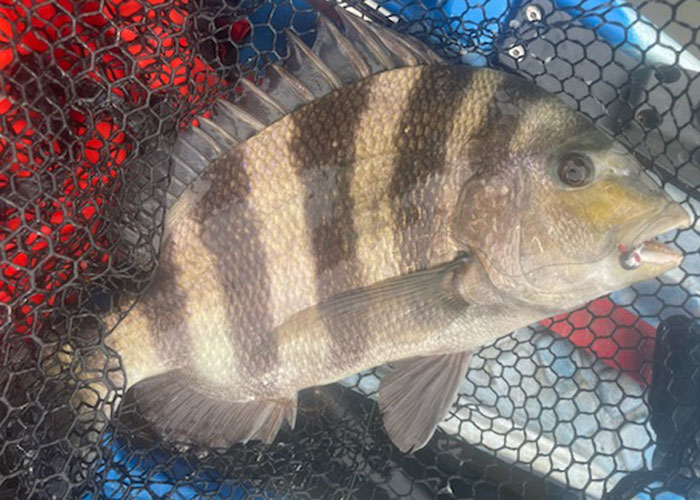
[(306, 55), (370, 41), (337, 58), (264, 97), (330, 39)]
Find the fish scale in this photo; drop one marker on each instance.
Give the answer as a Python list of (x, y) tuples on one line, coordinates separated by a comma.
[(370, 207)]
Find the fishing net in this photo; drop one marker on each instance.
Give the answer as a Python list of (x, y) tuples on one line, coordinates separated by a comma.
[(603, 402)]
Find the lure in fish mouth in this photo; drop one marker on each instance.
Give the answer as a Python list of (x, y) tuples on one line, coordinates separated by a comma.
[(377, 206), (639, 247), (650, 251), (645, 249), (583, 224), (638, 243)]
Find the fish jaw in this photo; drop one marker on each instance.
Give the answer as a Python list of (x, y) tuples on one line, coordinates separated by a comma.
[(639, 248)]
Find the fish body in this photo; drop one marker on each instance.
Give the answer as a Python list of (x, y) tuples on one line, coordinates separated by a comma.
[(309, 209), (408, 217)]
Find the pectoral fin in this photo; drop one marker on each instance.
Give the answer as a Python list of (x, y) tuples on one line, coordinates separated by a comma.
[(405, 309), (416, 395), (180, 408)]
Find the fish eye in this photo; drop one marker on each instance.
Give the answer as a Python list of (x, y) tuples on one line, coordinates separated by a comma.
[(575, 169)]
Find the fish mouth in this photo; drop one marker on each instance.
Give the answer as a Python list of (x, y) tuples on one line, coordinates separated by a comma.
[(638, 243)]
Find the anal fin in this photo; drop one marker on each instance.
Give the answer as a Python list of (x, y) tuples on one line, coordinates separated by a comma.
[(415, 396), (181, 409)]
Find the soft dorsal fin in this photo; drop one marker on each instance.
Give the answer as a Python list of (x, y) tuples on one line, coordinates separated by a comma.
[(338, 57)]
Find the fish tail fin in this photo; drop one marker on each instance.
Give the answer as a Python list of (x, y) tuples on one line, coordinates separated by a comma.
[(88, 382), (64, 385), (75, 369), (181, 409), (338, 57)]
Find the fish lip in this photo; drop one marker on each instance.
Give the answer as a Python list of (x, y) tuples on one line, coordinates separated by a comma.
[(670, 217)]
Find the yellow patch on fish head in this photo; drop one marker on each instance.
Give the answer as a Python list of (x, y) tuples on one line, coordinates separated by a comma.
[(559, 228)]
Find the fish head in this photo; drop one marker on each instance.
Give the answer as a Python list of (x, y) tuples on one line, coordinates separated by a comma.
[(564, 214)]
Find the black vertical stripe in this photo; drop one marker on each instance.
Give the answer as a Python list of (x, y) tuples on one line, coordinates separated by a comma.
[(163, 305), (421, 139), (229, 229), (324, 150), (515, 105), (489, 150)]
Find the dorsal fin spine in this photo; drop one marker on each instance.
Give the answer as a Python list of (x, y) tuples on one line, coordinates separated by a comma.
[(184, 164), (367, 48), (294, 82), (206, 137), (212, 125), (327, 73), (350, 51), (263, 96), (186, 141), (380, 54), (236, 112)]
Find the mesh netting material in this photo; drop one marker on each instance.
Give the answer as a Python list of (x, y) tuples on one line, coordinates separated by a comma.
[(600, 402)]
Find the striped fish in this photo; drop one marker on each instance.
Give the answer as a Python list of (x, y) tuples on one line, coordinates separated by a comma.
[(370, 204)]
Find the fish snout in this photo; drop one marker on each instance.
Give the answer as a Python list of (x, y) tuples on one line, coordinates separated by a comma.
[(638, 243)]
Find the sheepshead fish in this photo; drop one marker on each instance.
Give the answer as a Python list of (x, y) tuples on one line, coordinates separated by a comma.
[(369, 204)]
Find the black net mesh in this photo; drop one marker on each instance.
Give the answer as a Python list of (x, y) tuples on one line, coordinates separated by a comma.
[(603, 402)]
